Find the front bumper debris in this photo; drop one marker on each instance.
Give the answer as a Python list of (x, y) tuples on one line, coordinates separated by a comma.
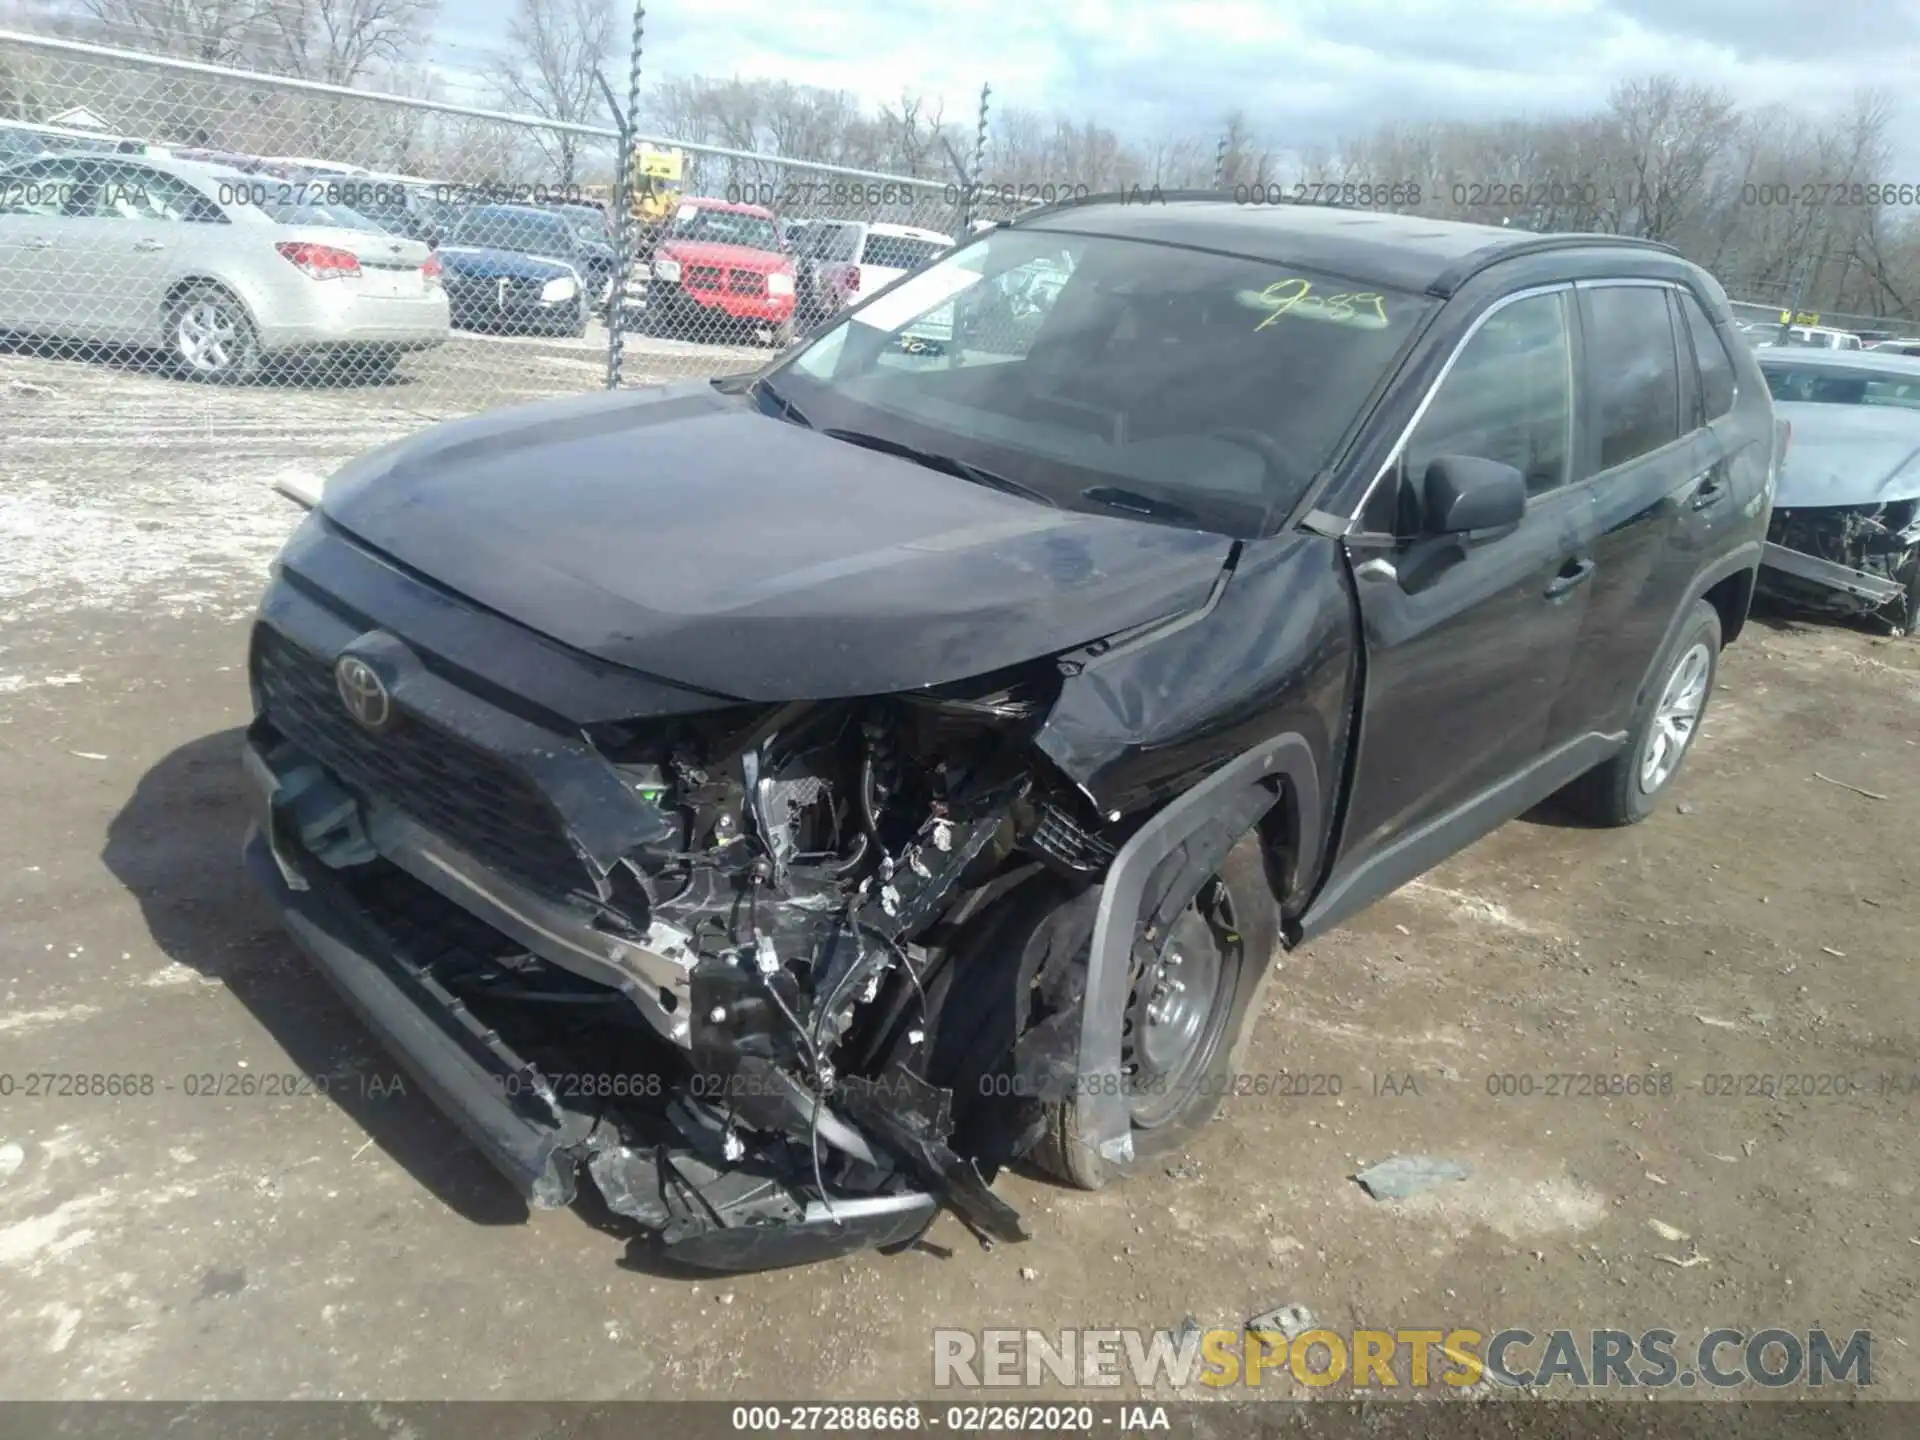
[(713, 1193), (1875, 590)]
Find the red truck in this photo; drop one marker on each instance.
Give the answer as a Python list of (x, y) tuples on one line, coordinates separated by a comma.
[(719, 265)]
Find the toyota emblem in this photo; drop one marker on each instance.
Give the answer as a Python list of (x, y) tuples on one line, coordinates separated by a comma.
[(363, 692)]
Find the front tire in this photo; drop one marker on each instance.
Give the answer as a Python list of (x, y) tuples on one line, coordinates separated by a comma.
[(1020, 969), (1625, 790), (212, 337)]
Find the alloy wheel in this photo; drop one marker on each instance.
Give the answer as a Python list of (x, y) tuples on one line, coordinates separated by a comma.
[(1675, 718), (209, 337)]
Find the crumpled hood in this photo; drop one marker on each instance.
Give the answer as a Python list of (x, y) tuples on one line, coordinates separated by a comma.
[(1848, 455), (687, 534)]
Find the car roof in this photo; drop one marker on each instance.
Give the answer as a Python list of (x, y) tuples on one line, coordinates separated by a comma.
[(909, 232), (537, 210), (1407, 252), (1875, 362)]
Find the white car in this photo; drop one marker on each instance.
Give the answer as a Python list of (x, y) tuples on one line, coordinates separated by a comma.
[(1805, 337), (221, 269), (853, 259)]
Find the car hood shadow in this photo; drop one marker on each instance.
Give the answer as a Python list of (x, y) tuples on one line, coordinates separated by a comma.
[(175, 845)]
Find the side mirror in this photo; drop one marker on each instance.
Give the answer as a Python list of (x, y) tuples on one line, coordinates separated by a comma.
[(1463, 492)]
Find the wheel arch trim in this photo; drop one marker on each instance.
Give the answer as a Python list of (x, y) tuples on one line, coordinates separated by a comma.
[(1239, 793)]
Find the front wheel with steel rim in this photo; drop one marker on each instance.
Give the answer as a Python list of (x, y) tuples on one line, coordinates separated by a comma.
[(1003, 1003), (212, 337), (1625, 789)]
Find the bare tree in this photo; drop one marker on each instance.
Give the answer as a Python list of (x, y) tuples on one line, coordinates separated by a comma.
[(218, 32), (339, 40), (554, 49)]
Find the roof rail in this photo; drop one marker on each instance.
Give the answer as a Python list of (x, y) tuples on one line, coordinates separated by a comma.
[(1136, 195), (1449, 280), (1468, 266)]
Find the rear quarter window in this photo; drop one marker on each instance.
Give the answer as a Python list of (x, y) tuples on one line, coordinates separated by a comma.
[(1710, 355)]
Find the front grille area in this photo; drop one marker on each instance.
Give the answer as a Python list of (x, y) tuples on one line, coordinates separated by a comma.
[(704, 277), (746, 282), (487, 290), (471, 798)]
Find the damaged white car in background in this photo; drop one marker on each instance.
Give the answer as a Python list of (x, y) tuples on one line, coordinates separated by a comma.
[(1845, 536)]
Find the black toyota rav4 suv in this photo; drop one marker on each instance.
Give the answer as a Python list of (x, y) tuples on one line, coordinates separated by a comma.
[(793, 797)]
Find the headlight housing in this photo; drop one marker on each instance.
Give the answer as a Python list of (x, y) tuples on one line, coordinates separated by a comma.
[(561, 287), (667, 270), (779, 283)]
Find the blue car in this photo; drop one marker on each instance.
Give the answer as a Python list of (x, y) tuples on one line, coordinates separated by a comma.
[(515, 268)]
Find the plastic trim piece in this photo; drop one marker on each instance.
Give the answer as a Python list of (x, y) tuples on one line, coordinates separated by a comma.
[(1103, 1120)]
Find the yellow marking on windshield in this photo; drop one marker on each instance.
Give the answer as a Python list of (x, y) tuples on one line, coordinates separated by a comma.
[(1363, 309)]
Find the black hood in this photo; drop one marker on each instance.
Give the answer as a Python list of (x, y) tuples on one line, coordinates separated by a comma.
[(688, 534)]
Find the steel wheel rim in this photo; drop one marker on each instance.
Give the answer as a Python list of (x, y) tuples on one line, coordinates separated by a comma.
[(1676, 718), (208, 334), (1177, 1009)]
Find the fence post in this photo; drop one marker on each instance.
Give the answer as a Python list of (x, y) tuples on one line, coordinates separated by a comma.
[(979, 165), (624, 235), (1220, 164)]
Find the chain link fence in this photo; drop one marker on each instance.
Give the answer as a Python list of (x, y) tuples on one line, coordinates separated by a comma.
[(197, 223), (192, 223)]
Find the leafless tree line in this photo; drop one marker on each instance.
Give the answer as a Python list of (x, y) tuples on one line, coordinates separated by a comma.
[(1776, 202)]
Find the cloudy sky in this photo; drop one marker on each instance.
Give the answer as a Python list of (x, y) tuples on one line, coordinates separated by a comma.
[(1305, 71)]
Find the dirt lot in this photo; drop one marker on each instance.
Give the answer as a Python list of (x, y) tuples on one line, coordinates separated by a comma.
[(174, 1245)]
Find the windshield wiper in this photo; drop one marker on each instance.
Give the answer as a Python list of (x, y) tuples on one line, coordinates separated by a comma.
[(934, 460), (780, 402), (1116, 497)]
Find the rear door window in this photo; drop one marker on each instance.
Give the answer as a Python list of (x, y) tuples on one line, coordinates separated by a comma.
[(1633, 374)]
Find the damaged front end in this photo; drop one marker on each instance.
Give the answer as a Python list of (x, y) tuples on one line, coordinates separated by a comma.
[(694, 955), (1847, 559)]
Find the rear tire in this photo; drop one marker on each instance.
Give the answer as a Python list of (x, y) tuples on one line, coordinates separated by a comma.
[(211, 336), (1625, 789)]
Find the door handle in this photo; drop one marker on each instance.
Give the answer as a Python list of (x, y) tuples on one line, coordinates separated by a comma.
[(1572, 575), (149, 245), (1711, 492), (41, 244)]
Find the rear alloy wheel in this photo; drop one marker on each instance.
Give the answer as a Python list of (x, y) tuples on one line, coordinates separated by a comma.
[(1624, 790), (212, 337)]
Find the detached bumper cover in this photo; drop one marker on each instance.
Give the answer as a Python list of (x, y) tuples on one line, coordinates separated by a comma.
[(1875, 589), (468, 1077)]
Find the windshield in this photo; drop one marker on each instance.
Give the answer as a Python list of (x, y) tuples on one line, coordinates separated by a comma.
[(725, 227), (531, 232), (899, 252), (1808, 385), (1202, 389), (589, 225)]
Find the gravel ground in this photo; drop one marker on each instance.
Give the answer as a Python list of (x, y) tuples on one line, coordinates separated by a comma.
[(349, 1245)]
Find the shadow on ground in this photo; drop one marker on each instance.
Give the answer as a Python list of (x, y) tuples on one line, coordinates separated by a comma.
[(175, 845)]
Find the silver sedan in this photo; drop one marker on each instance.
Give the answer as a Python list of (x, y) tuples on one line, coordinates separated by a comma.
[(221, 269)]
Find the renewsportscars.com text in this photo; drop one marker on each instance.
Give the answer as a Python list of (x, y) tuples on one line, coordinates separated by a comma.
[(1411, 1358)]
